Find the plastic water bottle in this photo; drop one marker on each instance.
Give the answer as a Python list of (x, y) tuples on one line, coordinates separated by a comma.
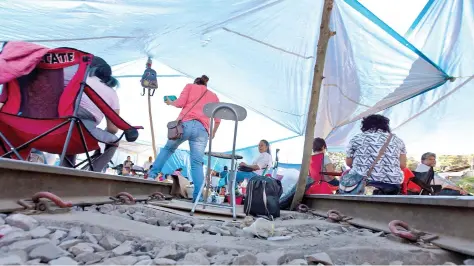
[(243, 187)]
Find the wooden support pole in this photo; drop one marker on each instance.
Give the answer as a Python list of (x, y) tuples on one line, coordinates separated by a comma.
[(151, 126), (324, 35)]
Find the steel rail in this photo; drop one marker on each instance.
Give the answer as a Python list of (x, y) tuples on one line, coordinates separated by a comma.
[(21, 180), (450, 218)]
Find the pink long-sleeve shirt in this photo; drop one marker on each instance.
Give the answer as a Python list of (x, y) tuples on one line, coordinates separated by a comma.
[(188, 97)]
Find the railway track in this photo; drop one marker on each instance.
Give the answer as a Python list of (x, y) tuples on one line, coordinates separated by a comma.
[(21, 180), (447, 219)]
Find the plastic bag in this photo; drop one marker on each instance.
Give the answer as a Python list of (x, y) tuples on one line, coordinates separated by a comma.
[(261, 228)]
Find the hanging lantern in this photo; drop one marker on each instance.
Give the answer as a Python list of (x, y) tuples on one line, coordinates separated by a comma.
[(149, 80)]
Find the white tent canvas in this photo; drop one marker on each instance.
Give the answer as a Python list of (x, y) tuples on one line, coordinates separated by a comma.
[(260, 54)]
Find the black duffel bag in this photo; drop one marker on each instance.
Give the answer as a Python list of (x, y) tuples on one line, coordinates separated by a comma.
[(263, 196)]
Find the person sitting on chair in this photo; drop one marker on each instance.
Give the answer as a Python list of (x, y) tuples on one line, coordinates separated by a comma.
[(319, 155), (428, 162), (364, 148), (102, 82), (259, 165), (127, 166), (147, 164)]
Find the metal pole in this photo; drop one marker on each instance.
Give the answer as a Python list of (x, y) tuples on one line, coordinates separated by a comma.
[(207, 179), (233, 166), (73, 120), (324, 34), (151, 125)]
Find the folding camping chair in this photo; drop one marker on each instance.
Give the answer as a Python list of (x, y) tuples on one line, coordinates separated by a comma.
[(29, 119), (425, 180), (226, 111)]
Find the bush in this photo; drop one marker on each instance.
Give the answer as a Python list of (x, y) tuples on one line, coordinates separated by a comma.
[(467, 183)]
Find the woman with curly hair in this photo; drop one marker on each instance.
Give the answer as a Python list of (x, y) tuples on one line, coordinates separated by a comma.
[(363, 149)]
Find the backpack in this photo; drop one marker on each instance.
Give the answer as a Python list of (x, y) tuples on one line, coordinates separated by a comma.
[(263, 196)]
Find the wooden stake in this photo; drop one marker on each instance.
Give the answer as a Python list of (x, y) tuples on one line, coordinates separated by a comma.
[(324, 35), (151, 126)]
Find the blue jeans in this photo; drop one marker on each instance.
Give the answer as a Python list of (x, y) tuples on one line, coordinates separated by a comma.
[(196, 134), (240, 176)]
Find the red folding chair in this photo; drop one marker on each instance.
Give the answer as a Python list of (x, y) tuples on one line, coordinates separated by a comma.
[(40, 110), (315, 172)]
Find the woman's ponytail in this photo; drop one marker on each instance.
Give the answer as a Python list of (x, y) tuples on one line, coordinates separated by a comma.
[(113, 82), (102, 70), (202, 80)]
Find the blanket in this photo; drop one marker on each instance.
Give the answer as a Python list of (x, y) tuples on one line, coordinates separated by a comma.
[(18, 59)]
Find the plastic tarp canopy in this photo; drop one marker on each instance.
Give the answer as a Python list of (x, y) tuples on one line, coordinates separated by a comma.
[(259, 54), (359, 78), (439, 120), (134, 108)]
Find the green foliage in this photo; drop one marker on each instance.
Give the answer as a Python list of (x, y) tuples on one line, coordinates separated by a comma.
[(338, 159), (446, 162), (412, 163), (467, 183)]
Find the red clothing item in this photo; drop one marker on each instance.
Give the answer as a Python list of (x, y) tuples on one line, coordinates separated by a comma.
[(315, 167), (19, 58), (409, 186), (188, 97)]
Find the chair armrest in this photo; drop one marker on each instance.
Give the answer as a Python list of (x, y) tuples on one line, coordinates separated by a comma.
[(111, 114)]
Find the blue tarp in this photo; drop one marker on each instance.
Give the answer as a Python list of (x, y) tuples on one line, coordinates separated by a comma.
[(438, 120), (261, 53), (258, 53)]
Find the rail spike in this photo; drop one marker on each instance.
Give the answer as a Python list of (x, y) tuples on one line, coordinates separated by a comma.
[(125, 198), (157, 196), (303, 208), (407, 232), (336, 216), (48, 195)]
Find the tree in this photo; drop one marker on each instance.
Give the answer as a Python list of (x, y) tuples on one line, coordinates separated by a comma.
[(412, 163), (338, 159), (467, 183), (446, 162)]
